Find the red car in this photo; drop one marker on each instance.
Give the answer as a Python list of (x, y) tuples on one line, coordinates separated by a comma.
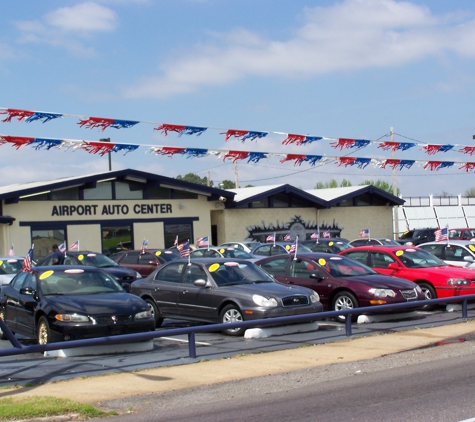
[(144, 262), (341, 283), (436, 278)]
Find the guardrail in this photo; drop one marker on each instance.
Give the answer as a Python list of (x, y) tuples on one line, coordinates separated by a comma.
[(19, 349)]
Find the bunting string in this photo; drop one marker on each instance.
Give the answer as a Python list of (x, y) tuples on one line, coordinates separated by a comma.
[(102, 123), (101, 148)]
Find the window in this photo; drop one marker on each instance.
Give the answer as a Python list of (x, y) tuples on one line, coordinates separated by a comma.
[(102, 190), (129, 258), (172, 231), (171, 273), (116, 238), (194, 272), (44, 240), (276, 267), (70, 194), (128, 190), (381, 260)]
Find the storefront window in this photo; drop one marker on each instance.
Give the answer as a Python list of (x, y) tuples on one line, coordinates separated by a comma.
[(102, 190), (130, 190), (44, 240), (183, 231), (116, 238)]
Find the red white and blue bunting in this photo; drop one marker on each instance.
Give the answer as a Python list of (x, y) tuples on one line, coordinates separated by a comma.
[(103, 123), (101, 148)]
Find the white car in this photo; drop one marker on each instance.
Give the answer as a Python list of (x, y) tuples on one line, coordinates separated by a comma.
[(460, 253), (9, 267), (246, 246)]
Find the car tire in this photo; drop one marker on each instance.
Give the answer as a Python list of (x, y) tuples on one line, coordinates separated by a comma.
[(43, 332), (345, 300), (429, 293), (231, 313), (155, 312), (2, 334)]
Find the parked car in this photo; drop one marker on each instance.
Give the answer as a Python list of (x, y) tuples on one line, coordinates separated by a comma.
[(246, 246), (372, 241), (61, 303), (341, 283), (417, 236), (9, 267), (462, 234), (144, 262), (276, 248), (220, 290), (436, 278), (122, 274), (328, 244), (460, 253), (221, 252)]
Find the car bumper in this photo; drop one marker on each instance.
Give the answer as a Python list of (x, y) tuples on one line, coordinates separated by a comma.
[(263, 313)]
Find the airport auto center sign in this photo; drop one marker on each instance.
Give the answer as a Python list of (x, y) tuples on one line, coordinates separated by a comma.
[(108, 210)]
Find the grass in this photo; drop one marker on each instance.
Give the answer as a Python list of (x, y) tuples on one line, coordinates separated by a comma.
[(35, 407)]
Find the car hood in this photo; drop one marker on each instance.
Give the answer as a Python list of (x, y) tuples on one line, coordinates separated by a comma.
[(447, 271), (97, 304), (274, 289), (382, 281)]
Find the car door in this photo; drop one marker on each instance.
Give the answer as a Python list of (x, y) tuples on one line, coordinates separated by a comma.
[(165, 288), (147, 263), (196, 301), (12, 300), (27, 304), (130, 260)]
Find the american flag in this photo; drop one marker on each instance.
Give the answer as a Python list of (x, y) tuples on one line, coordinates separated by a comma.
[(176, 241), (287, 237), (293, 248), (326, 233), (75, 245), (441, 234), (202, 241), (270, 238), (62, 247), (12, 251), (184, 249), (315, 236), (144, 246), (28, 261), (364, 233)]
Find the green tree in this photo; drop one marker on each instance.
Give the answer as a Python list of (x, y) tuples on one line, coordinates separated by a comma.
[(332, 184), (227, 184), (470, 193), (381, 184), (194, 178)]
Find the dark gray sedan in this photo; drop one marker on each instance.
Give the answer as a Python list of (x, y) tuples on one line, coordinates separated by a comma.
[(220, 290)]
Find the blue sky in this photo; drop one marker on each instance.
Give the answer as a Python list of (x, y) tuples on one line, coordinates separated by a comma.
[(336, 69)]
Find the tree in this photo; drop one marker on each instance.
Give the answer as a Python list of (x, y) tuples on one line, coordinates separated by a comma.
[(380, 184), (332, 184), (194, 178), (227, 184), (470, 193)]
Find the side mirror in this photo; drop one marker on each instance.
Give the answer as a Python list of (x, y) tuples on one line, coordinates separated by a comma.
[(468, 258), (154, 263), (200, 283), (393, 266), (27, 291), (317, 276)]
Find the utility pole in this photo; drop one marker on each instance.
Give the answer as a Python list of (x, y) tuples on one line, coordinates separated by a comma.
[(395, 208), (109, 153), (236, 181)]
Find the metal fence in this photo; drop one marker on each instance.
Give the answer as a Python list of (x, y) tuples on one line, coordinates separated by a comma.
[(19, 349)]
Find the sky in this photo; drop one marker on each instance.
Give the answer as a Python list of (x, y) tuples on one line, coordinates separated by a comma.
[(349, 69)]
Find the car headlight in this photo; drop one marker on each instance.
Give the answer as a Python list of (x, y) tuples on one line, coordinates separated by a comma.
[(267, 302), (72, 318), (143, 315), (458, 282), (382, 292), (314, 298), (418, 289)]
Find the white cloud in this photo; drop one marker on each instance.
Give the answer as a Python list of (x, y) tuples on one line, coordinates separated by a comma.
[(68, 26), (354, 34)]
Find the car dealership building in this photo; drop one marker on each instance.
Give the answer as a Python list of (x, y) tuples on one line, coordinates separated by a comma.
[(109, 210)]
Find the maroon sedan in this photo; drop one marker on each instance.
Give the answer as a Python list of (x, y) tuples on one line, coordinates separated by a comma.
[(341, 283), (144, 262)]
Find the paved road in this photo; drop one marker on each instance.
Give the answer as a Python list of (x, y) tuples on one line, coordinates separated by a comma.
[(35, 369), (424, 386)]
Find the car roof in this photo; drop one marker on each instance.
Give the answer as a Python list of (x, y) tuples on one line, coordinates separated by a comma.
[(384, 247), (87, 268), (6, 257), (450, 242), (208, 260)]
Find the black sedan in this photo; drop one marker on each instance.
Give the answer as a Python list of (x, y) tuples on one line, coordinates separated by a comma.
[(61, 303), (122, 274), (220, 290), (341, 283)]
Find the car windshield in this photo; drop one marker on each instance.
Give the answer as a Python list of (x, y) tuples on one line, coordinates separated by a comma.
[(76, 282), (10, 265), (340, 266), (418, 258), (96, 260), (232, 273), (234, 253)]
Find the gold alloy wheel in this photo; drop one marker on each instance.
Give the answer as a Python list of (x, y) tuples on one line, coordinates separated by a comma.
[(43, 332)]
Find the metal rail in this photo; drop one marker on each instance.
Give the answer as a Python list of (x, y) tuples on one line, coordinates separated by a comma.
[(19, 349)]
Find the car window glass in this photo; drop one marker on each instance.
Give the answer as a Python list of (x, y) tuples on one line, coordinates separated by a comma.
[(171, 273), (381, 260), (458, 253), (31, 282), (303, 269), (275, 267), (360, 256), (11, 266), (358, 242), (263, 250), (17, 282), (194, 272), (277, 250), (130, 258)]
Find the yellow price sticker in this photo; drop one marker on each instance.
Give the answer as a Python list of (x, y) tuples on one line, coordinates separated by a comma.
[(472, 248), (46, 274), (158, 253), (330, 243), (287, 247), (322, 262), (221, 250), (81, 257), (399, 253), (213, 267)]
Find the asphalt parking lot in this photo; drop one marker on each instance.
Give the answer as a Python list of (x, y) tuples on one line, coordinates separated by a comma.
[(169, 351)]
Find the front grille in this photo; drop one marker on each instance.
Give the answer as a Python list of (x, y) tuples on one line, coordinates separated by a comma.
[(409, 294), (297, 300), (127, 278), (112, 319)]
